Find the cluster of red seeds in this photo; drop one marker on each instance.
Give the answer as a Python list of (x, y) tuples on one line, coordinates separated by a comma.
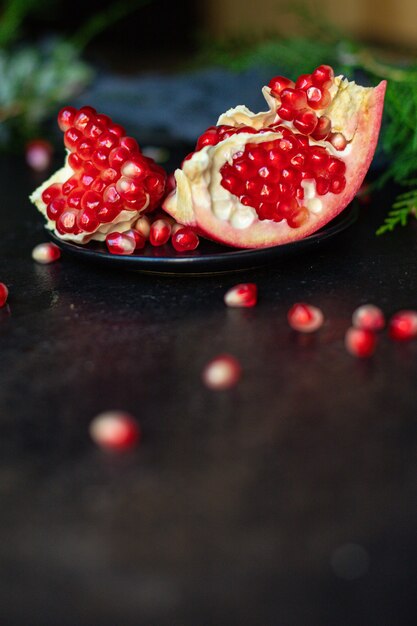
[(268, 175), (111, 174), (157, 231)]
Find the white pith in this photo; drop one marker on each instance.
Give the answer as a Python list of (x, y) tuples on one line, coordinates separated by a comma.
[(199, 180), (122, 222)]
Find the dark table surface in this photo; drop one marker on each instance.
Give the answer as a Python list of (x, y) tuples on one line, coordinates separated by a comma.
[(287, 501)]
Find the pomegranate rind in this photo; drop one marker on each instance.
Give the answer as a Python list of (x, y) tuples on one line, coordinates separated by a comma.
[(355, 110)]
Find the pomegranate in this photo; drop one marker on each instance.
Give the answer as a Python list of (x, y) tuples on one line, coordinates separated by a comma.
[(262, 179), (106, 183)]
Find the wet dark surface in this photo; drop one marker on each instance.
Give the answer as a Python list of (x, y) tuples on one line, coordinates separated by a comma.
[(290, 500)]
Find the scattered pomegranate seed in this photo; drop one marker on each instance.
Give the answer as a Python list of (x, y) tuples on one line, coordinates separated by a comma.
[(140, 240), (242, 295), (368, 317), (45, 253), (403, 325), (120, 243), (38, 154), (4, 292), (115, 430), (223, 372), (305, 318), (360, 342), (160, 232), (185, 239)]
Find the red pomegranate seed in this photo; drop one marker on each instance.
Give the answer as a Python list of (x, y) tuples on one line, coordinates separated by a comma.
[(294, 99), (55, 208), (185, 239), (278, 83), (298, 218), (304, 81), (305, 121), (242, 296), (136, 168), (143, 226), (323, 128), (51, 192), (403, 325), (71, 137), (368, 317), (87, 220), (140, 240), (45, 253), (338, 141), (323, 76), (107, 213), (4, 293), (115, 431), (160, 232), (39, 154), (223, 372), (209, 138), (360, 342), (66, 118), (120, 243), (305, 318)]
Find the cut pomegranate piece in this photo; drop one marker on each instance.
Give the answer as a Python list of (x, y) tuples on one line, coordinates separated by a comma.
[(106, 179), (4, 294), (223, 372), (264, 179), (115, 430), (242, 296)]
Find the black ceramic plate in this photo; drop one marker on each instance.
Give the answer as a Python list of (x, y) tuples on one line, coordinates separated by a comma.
[(209, 256)]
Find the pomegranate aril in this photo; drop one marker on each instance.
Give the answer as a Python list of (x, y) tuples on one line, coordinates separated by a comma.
[(403, 325), (233, 184), (75, 162), (119, 243), (323, 128), (115, 431), (129, 189), (45, 253), (318, 98), (4, 293), (360, 342), (117, 157), (55, 208), (318, 159), (117, 129), (91, 200), (85, 149), (243, 295), (143, 226), (322, 185), (278, 83), (130, 144), (71, 137), (305, 318), (74, 198), (66, 118), (337, 184), (100, 158), (223, 372), (107, 213), (304, 81), (294, 99), (104, 120), (107, 140), (83, 117), (368, 317), (336, 167), (70, 184), (67, 222), (338, 141), (51, 192), (209, 138), (87, 220), (298, 218), (154, 185), (135, 168), (160, 232), (140, 240), (99, 185), (93, 130), (184, 239), (111, 195), (109, 175), (38, 154), (323, 76), (305, 121), (286, 113)]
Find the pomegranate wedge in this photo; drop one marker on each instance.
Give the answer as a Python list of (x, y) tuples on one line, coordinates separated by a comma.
[(264, 179), (106, 183)]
